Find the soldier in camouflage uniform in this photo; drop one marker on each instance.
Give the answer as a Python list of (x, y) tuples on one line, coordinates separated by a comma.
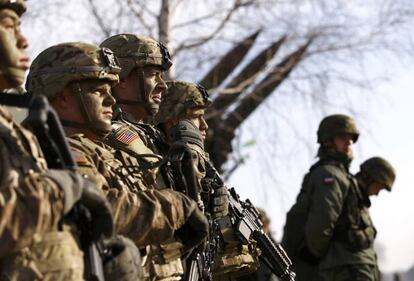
[(35, 243), (188, 101), (77, 79), (138, 95)]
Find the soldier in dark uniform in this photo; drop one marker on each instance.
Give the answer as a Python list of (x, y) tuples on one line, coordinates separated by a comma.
[(328, 231)]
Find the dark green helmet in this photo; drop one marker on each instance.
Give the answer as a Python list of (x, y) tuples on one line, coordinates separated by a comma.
[(180, 96), (333, 125), (379, 170), (19, 6)]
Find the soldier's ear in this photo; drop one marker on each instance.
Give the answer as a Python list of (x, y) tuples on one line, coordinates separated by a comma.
[(62, 99), (122, 84)]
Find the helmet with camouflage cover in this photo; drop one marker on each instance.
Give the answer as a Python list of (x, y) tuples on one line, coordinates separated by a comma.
[(137, 51), (336, 124), (62, 64), (19, 6), (379, 170), (180, 96), (57, 66)]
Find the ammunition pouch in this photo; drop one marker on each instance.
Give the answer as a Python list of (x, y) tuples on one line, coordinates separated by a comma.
[(235, 258), (163, 262), (52, 256), (357, 239)]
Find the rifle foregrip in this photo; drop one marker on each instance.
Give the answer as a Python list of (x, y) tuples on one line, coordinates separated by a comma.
[(274, 255)]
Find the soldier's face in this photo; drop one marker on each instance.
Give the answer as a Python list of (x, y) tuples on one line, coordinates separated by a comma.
[(13, 60), (374, 188), (92, 108), (343, 144), (154, 86), (98, 102), (196, 115)]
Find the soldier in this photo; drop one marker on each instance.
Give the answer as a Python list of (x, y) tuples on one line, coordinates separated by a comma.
[(35, 243), (358, 233), (323, 227), (138, 94), (77, 78), (188, 101)]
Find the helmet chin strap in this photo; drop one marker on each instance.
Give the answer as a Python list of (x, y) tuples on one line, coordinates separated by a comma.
[(142, 97), (88, 124)]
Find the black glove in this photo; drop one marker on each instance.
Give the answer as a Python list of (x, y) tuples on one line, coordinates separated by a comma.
[(220, 202), (194, 231), (123, 262), (101, 221)]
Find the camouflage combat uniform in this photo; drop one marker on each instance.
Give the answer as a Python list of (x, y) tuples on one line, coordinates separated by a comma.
[(234, 259), (145, 216), (34, 243), (145, 143)]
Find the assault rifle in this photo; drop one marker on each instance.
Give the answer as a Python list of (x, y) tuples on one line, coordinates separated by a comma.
[(43, 121), (200, 263), (244, 218)]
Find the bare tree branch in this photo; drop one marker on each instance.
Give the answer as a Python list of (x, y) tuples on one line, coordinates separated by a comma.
[(140, 16), (101, 23), (236, 6)]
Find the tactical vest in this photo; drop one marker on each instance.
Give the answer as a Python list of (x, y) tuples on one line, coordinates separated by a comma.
[(123, 169), (54, 255), (354, 227), (147, 146), (162, 262)]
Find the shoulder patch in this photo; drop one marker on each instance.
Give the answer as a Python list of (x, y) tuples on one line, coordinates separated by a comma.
[(78, 156), (329, 180), (126, 136)]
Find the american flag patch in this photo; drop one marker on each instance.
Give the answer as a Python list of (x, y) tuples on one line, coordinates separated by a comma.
[(127, 136), (78, 156)]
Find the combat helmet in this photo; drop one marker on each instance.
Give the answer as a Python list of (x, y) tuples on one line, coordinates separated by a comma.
[(19, 6), (180, 96), (137, 51), (333, 125), (379, 170), (57, 66)]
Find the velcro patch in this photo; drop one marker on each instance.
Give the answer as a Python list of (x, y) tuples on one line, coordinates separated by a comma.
[(78, 156), (328, 180), (127, 136)]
